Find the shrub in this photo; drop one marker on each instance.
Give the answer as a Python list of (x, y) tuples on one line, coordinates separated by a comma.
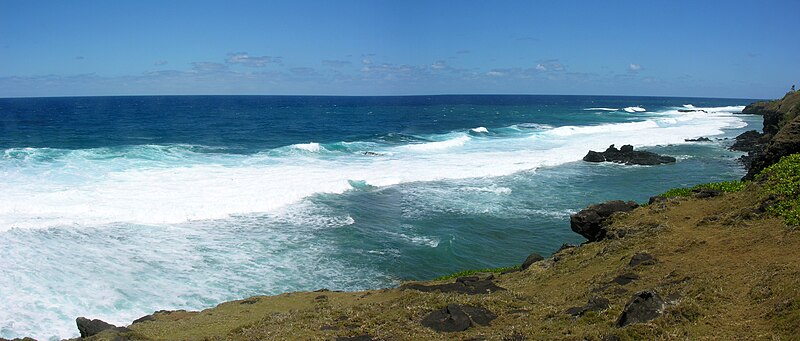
[(782, 183), (725, 186)]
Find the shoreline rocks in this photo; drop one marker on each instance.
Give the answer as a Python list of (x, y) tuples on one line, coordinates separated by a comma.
[(628, 156), (590, 222)]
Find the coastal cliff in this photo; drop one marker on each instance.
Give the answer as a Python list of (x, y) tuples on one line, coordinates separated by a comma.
[(716, 261)]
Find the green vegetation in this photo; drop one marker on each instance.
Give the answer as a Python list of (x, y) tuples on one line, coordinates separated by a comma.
[(782, 186), (725, 186), (472, 272)]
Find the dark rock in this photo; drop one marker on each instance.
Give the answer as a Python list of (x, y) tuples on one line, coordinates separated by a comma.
[(362, 337), (532, 258), (656, 199), (699, 139), (628, 156), (748, 141), (470, 285), (89, 327), (610, 338), (625, 278), (478, 315), (703, 193), (642, 258), (369, 153), (785, 142), (456, 318), (328, 327), (144, 318), (643, 307), (590, 222), (692, 110), (594, 304), (594, 156)]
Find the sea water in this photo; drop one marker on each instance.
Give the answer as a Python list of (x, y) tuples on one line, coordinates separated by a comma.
[(113, 207)]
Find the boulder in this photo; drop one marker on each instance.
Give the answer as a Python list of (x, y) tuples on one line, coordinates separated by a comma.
[(641, 258), (594, 304), (532, 258), (628, 156), (590, 222), (89, 327), (456, 318), (643, 306), (626, 278), (699, 139)]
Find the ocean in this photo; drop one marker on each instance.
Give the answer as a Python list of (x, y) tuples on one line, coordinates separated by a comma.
[(114, 207)]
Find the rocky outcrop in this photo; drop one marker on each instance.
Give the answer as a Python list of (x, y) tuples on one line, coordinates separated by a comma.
[(628, 156), (785, 142), (470, 285), (456, 318), (781, 135), (591, 221), (89, 327), (643, 307)]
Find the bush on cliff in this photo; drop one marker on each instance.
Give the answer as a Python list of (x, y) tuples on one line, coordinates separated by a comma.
[(782, 185), (724, 186)]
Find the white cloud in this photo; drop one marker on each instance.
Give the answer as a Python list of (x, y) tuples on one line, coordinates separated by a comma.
[(439, 64), (634, 67), (366, 61), (494, 73), (541, 67), (243, 58)]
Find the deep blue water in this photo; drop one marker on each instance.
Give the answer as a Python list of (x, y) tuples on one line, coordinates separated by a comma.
[(113, 207)]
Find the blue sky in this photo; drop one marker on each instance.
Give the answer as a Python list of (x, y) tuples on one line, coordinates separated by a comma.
[(744, 49)]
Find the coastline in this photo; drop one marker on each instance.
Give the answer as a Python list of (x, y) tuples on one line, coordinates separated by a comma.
[(319, 315)]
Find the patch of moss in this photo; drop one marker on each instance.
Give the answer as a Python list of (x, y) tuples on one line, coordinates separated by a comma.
[(782, 184), (725, 186), (472, 272)]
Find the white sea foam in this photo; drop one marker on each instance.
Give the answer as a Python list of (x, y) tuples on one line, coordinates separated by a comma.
[(309, 147), (85, 188), (480, 130), (439, 145), (634, 109), (602, 109)]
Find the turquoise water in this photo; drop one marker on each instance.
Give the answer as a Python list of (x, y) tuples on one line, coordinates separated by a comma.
[(115, 207)]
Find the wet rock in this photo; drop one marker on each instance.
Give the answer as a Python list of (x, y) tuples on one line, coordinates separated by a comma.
[(643, 306), (641, 258), (89, 327), (532, 258), (594, 156), (456, 318), (628, 156), (699, 139), (590, 222), (470, 285), (594, 304), (626, 278)]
